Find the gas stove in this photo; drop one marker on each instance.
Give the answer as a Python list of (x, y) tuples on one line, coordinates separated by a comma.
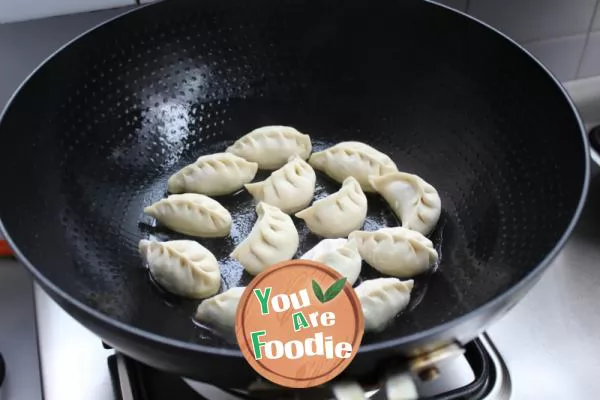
[(98, 372), (481, 370)]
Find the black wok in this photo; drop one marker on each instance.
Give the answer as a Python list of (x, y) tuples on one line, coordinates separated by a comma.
[(91, 137)]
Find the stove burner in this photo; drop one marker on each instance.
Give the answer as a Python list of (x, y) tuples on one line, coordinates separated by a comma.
[(135, 381)]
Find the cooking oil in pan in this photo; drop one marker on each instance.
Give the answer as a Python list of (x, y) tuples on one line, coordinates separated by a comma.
[(242, 207)]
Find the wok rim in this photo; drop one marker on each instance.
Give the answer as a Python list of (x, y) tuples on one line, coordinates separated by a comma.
[(422, 336)]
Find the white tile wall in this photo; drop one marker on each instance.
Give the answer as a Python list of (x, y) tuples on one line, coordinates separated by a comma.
[(596, 23), (19, 10), (562, 34), (561, 55), (590, 64), (529, 20)]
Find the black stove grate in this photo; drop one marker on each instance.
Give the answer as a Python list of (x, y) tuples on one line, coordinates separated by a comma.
[(146, 383)]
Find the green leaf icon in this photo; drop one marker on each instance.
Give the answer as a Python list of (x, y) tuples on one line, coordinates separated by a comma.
[(317, 291), (334, 290)]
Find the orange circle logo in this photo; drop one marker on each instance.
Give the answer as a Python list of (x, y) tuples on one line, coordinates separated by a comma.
[(299, 324)]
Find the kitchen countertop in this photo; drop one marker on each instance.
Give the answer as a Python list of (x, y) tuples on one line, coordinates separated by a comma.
[(549, 340)]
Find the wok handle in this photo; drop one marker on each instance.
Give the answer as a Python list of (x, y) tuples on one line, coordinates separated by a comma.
[(5, 249)]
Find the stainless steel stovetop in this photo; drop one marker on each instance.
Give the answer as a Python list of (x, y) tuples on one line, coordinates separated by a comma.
[(549, 340)]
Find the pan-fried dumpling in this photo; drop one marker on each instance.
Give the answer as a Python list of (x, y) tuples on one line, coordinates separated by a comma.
[(363, 147), (413, 200), (273, 239), (324, 246), (213, 175), (352, 159), (182, 267), (396, 251), (219, 311), (290, 188), (272, 146), (339, 254), (339, 213), (192, 214), (381, 300)]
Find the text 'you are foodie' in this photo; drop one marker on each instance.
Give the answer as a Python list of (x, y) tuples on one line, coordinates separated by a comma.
[(299, 324)]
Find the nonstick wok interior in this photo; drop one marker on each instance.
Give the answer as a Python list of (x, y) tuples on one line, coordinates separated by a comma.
[(96, 132)]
